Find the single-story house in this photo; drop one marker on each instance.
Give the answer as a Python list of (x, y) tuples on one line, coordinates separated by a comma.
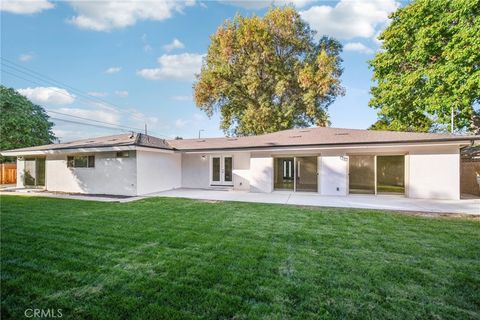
[(327, 161)]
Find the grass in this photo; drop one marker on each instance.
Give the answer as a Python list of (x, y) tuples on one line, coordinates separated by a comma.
[(175, 258)]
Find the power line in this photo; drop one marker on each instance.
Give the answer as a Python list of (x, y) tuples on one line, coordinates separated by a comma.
[(104, 122), (12, 74), (63, 93), (86, 97), (32, 73), (56, 82), (89, 124)]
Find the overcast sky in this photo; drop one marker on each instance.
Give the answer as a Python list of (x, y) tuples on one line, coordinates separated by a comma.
[(129, 63)]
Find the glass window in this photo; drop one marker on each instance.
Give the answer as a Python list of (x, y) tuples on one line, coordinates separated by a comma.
[(70, 162), (307, 174), (283, 174), (228, 168), (34, 172), (215, 169), (81, 161), (40, 171), (123, 154), (391, 174), (361, 174), (91, 161), (30, 172)]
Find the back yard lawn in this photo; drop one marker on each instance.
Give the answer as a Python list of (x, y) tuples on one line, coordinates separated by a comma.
[(176, 258)]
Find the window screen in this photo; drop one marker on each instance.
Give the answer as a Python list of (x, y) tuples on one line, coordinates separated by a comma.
[(122, 154), (81, 161), (91, 161)]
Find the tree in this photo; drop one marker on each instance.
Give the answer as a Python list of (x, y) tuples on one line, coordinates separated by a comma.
[(23, 124), (429, 64), (268, 74)]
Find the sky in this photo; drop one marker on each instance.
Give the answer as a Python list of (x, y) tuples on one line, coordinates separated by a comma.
[(131, 63)]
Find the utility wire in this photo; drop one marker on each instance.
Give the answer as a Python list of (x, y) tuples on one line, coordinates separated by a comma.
[(56, 82), (89, 124), (103, 122), (84, 96), (12, 74), (32, 73), (63, 93)]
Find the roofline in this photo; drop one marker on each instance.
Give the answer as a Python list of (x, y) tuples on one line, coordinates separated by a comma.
[(13, 153), (461, 141)]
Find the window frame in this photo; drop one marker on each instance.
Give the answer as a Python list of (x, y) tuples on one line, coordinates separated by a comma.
[(375, 168), (72, 161), (122, 154)]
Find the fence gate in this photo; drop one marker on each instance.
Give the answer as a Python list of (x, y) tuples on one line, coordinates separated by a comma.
[(8, 173)]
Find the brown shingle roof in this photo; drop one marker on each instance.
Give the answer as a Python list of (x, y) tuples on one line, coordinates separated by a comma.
[(311, 137), (318, 136), (120, 140)]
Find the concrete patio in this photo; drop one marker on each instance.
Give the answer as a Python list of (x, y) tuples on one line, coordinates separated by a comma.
[(467, 206), (395, 203)]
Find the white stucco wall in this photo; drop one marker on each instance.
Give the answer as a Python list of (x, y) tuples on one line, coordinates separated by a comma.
[(241, 171), (261, 173), (20, 173), (157, 171), (431, 171), (195, 171), (333, 175), (434, 173), (111, 175)]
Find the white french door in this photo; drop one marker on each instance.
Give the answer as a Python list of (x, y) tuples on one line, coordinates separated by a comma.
[(221, 170)]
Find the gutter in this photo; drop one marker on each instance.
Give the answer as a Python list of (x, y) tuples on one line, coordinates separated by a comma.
[(342, 144), (13, 153)]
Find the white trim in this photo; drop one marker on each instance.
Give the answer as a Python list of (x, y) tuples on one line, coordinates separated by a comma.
[(294, 163), (44, 187), (333, 147), (227, 183), (154, 150), (83, 150), (212, 182), (375, 173), (14, 153), (406, 182), (319, 170), (294, 174), (221, 182)]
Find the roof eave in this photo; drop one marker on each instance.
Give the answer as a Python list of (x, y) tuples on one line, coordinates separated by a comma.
[(459, 142)]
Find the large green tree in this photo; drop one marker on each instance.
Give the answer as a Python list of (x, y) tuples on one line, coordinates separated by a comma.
[(264, 74), (23, 124), (429, 64)]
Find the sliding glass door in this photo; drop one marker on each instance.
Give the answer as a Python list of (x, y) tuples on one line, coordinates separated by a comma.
[(283, 173), (34, 172), (361, 174), (370, 174), (221, 170), (390, 174), (306, 174), (295, 174)]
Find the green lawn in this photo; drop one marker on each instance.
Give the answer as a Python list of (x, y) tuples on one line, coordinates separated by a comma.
[(177, 258)]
